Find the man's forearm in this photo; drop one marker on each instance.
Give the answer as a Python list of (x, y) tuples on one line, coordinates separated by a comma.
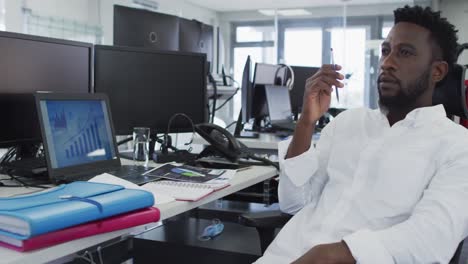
[(302, 139), (334, 253)]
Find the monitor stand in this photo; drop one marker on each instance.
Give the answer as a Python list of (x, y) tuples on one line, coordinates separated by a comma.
[(247, 134), (239, 131)]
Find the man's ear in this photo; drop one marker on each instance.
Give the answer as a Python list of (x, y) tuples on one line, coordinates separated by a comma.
[(439, 71)]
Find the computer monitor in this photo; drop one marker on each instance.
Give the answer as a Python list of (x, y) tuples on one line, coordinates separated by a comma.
[(147, 87), (194, 36), (270, 74), (142, 28), (265, 74), (301, 74), (278, 104), (29, 64), (77, 133), (246, 89)]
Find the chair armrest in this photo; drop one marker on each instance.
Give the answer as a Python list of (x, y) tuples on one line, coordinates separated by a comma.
[(268, 219)]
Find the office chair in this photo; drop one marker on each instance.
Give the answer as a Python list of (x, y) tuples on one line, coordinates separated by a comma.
[(451, 92)]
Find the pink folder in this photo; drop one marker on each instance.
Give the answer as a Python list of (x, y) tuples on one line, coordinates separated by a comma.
[(110, 224)]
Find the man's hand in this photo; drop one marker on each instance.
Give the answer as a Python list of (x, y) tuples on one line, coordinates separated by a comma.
[(317, 94), (335, 253), (317, 97)]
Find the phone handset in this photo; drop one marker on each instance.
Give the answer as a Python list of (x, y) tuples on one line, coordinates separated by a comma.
[(221, 141)]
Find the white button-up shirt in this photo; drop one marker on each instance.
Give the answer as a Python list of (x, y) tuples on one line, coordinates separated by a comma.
[(394, 194)]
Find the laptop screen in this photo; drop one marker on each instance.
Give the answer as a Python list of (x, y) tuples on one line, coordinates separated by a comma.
[(77, 132), (279, 105)]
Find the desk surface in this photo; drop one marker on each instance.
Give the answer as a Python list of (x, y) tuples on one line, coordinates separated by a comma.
[(267, 141), (242, 180)]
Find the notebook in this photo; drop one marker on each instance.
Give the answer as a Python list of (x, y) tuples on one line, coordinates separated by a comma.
[(185, 173), (122, 221), (183, 191), (79, 139), (190, 191), (30, 215)]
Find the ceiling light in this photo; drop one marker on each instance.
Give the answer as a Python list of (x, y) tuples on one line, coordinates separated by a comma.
[(293, 12), (267, 12), (284, 12)]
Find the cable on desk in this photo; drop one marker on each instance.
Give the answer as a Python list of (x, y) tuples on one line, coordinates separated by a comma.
[(264, 160), (228, 99), (230, 125), (22, 183), (123, 141), (215, 96), (11, 152)]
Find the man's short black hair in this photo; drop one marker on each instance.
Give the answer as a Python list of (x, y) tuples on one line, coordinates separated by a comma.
[(443, 33)]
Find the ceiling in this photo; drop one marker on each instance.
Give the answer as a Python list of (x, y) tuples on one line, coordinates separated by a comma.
[(240, 5)]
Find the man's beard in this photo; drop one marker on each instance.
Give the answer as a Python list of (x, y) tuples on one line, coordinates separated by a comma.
[(407, 95)]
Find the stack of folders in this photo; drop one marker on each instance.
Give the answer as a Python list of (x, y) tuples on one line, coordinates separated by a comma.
[(71, 211)]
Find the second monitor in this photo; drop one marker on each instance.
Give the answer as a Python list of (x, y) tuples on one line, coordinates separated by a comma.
[(301, 74), (147, 87)]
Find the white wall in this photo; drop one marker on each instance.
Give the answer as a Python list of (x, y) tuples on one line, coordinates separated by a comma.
[(456, 12), (87, 11)]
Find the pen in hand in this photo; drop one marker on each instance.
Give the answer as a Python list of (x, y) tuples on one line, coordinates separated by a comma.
[(334, 68)]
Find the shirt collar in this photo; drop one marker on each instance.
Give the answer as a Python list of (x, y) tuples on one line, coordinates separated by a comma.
[(422, 115)]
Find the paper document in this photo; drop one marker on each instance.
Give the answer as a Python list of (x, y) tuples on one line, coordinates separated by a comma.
[(159, 198)]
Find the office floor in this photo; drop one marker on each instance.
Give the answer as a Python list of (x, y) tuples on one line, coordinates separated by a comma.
[(178, 242)]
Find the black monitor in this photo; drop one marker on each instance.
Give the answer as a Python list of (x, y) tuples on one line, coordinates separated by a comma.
[(265, 74), (142, 28), (29, 64), (246, 89), (269, 74), (194, 36), (147, 87), (301, 74)]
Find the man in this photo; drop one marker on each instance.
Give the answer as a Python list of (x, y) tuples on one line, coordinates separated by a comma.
[(381, 186)]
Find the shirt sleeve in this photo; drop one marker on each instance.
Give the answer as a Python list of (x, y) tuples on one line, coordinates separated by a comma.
[(437, 225), (302, 177)]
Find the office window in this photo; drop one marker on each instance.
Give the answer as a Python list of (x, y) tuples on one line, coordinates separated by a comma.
[(307, 42), (303, 46), (385, 31), (352, 56), (256, 41), (61, 28), (255, 34), (257, 54), (2, 15)]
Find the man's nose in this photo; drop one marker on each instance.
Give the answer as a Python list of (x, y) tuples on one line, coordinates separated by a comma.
[(388, 62)]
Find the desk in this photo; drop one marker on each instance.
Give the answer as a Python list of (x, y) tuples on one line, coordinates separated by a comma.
[(223, 92), (265, 141), (242, 180)]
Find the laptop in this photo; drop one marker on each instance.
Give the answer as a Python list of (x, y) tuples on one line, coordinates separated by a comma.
[(79, 140), (279, 107)]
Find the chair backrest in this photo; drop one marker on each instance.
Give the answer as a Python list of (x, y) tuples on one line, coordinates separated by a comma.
[(458, 257), (451, 92)]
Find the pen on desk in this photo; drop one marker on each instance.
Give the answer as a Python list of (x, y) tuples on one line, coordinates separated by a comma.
[(334, 68)]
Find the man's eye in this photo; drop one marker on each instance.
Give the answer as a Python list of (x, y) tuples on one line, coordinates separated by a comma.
[(385, 51), (405, 52)]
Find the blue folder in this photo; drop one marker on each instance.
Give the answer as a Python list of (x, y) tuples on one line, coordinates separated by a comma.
[(67, 205)]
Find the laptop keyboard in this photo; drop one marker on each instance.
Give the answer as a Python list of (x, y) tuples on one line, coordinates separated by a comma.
[(133, 173), (129, 171), (285, 125)]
